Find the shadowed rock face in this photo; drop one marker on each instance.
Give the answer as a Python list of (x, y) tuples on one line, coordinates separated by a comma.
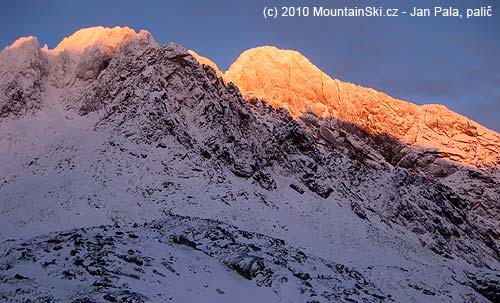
[(285, 78), (22, 69)]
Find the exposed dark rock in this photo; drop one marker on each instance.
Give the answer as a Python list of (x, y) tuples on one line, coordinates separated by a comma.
[(358, 210), (487, 284), (297, 188)]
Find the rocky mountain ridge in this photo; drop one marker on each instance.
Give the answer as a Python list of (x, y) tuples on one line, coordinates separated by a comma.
[(132, 131), (287, 79), (284, 78)]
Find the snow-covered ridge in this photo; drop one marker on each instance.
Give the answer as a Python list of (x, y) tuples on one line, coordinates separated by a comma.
[(135, 132), (285, 78)]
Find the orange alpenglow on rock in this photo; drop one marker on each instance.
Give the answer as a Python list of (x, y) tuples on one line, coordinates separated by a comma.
[(21, 42), (102, 37), (285, 78)]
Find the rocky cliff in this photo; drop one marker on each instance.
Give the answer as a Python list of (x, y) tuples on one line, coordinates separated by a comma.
[(285, 78)]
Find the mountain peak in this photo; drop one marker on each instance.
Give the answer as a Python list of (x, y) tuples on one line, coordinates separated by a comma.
[(18, 53), (103, 37), (23, 42), (285, 78)]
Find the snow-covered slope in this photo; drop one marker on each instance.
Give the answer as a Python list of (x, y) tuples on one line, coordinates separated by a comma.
[(178, 259), (133, 132)]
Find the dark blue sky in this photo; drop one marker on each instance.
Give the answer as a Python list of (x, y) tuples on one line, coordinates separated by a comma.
[(423, 60)]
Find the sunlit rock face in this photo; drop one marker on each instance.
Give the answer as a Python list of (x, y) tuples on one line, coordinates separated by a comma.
[(100, 37), (285, 78)]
